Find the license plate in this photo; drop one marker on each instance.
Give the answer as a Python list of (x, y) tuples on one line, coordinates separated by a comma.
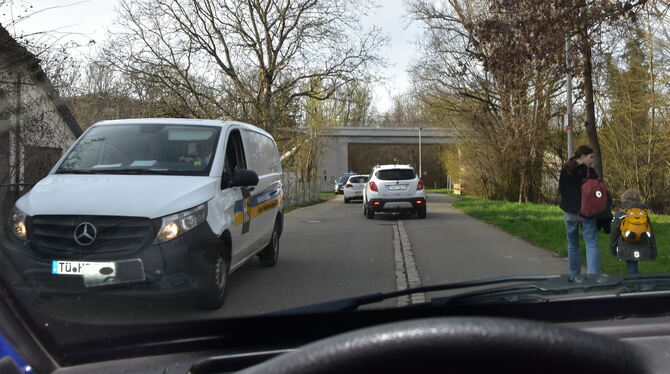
[(359, 193), (101, 273), (77, 267), (396, 187)]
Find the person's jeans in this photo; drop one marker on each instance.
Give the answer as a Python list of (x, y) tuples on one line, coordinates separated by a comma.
[(632, 267), (590, 234)]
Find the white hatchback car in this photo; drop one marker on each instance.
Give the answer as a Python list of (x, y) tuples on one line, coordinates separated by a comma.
[(394, 188), (353, 188)]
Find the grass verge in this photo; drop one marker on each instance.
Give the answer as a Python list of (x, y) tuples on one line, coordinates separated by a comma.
[(323, 196), (543, 226)]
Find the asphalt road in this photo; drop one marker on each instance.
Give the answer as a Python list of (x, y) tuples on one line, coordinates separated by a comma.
[(330, 251)]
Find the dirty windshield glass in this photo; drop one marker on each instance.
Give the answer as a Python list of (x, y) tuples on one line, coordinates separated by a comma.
[(165, 161)]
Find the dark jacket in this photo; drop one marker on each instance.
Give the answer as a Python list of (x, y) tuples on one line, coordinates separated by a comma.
[(625, 250), (570, 187)]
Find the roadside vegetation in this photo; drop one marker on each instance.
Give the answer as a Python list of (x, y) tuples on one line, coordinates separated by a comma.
[(323, 197), (542, 225)]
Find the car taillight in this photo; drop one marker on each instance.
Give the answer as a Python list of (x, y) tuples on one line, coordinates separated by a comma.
[(373, 186), (349, 185), (420, 186)]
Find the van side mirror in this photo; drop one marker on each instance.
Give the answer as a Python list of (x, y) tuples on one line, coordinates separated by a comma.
[(244, 178)]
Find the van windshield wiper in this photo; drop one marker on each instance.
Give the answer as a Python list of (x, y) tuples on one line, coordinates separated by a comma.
[(527, 289), (74, 171), (138, 171)]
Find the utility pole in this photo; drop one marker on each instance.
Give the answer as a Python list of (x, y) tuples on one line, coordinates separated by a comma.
[(420, 174), (568, 96)]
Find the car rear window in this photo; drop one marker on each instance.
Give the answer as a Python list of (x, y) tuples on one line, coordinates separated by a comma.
[(343, 178), (396, 174), (358, 179)]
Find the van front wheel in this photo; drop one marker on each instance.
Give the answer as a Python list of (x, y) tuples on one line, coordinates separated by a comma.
[(270, 254), (216, 280)]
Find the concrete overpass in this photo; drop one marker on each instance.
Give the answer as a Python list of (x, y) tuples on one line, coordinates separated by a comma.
[(335, 146)]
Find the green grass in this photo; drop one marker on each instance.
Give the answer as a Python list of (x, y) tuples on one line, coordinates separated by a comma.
[(446, 191), (323, 196), (543, 226)]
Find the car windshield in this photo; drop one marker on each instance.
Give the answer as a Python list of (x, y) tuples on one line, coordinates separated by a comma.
[(186, 150), (167, 162), (395, 174)]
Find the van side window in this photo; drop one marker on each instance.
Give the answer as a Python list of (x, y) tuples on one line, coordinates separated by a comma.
[(235, 159)]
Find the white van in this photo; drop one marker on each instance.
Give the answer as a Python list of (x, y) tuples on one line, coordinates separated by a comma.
[(151, 207)]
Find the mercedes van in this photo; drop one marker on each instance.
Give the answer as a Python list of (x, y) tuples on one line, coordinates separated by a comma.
[(151, 207)]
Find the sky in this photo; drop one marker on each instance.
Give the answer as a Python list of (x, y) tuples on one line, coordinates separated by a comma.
[(86, 20)]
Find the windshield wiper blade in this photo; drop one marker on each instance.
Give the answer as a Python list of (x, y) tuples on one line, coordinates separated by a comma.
[(353, 303), (74, 171), (590, 286), (541, 286), (137, 171)]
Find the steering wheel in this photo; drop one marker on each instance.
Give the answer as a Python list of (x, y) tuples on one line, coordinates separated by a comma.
[(460, 345)]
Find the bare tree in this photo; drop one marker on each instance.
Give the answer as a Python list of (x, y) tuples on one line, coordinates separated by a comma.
[(250, 60), (481, 75)]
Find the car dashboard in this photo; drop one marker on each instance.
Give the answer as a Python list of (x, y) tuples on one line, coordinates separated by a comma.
[(610, 334)]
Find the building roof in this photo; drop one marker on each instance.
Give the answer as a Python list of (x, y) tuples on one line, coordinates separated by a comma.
[(14, 56)]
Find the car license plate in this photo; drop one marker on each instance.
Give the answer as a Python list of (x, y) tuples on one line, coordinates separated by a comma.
[(101, 273), (397, 187)]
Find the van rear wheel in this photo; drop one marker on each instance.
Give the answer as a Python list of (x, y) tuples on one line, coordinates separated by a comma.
[(270, 255), (216, 280)]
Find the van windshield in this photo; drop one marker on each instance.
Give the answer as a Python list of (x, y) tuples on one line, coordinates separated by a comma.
[(143, 149)]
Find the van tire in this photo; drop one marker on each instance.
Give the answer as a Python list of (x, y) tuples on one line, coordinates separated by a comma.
[(216, 281), (270, 254)]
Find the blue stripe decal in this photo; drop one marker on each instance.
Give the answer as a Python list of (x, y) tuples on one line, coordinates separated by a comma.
[(54, 267), (239, 206), (258, 199)]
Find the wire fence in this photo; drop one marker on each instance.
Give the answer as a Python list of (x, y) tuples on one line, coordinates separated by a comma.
[(297, 193)]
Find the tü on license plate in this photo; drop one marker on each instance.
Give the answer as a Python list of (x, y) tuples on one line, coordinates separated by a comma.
[(78, 267), (101, 273)]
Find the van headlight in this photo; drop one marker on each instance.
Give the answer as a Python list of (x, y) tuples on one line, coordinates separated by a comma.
[(177, 224), (17, 222)]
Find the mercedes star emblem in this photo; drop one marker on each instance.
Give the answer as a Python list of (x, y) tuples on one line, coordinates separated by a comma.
[(85, 233)]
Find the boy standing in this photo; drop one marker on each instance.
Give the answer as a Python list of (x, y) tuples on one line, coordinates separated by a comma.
[(632, 237)]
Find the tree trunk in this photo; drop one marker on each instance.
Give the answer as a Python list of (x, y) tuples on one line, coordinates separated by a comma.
[(588, 100)]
